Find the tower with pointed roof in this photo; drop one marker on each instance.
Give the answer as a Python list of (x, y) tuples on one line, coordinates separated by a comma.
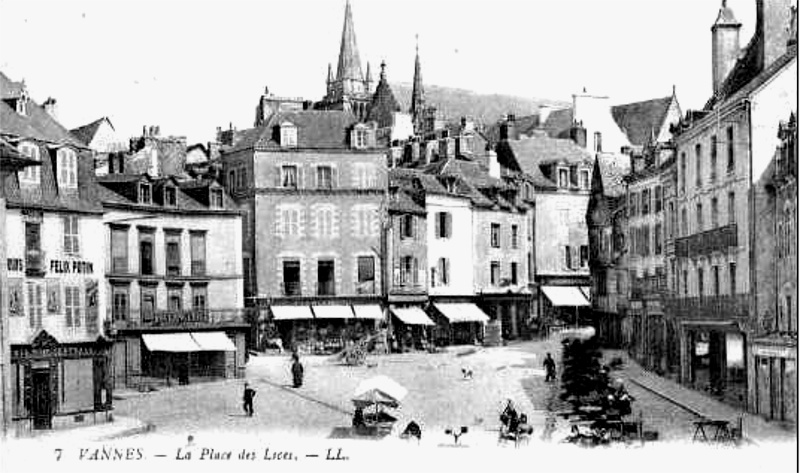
[(417, 94), (349, 90)]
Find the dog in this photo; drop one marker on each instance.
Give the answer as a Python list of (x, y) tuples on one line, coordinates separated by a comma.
[(466, 372)]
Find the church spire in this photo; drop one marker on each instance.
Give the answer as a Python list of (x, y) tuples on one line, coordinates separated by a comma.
[(418, 93), (349, 62)]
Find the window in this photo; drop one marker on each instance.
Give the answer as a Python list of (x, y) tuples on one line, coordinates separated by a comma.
[(584, 255), (365, 176), (633, 205), (366, 275), (199, 298), (119, 250), (408, 271), (407, 226), (700, 282), (145, 197), (174, 298), (232, 180), (657, 204), (731, 208), (698, 156), (699, 218), (646, 240), (715, 275), (326, 285), (732, 278), (714, 213), (120, 302), (30, 174), (67, 168), (33, 249), (71, 232), (729, 139), (712, 171), (573, 176), (288, 135), (35, 303), (495, 236), (324, 177), (514, 273), (672, 221), (685, 282), (683, 172), (241, 178), (291, 222), (443, 225), (172, 240), (789, 326), (494, 273), (148, 303), (170, 199), (325, 222), (568, 256), (658, 240), (146, 256), (685, 222), (215, 198), (359, 137), (365, 221), (289, 177), (72, 306), (514, 237), (598, 142), (563, 177), (444, 271), (291, 278), (197, 247), (645, 201)]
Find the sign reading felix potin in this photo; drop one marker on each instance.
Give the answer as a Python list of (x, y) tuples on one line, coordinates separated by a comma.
[(71, 267)]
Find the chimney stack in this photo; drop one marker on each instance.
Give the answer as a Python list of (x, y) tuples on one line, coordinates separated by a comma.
[(773, 21), (724, 45), (50, 107), (577, 133), (508, 129)]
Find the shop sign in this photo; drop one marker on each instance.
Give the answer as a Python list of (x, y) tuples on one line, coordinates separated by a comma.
[(71, 267), (773, 352), (31, 353)]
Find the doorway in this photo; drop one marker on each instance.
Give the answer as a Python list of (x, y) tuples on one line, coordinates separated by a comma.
[(41, 407)]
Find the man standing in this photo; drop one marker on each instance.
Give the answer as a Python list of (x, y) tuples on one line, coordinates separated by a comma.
[(549, 368), (247, 398)]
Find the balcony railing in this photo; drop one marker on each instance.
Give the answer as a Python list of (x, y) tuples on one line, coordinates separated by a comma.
[(722, 307), (176, 318), (292, 288), (705, 243), (651, 285)]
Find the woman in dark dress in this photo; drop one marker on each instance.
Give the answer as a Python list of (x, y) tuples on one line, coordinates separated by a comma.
[(297, 371)]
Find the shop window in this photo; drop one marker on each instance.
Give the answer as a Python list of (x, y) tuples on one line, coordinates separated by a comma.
[(291, 278), (366, 275), (326, 282)]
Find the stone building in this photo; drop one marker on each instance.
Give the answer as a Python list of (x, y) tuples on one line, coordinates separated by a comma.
[(60, 373), (720, 151), (174, 279)]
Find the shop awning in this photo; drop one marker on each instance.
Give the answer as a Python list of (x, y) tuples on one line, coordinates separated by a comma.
[(461, 312), (213, 341), (412, 316), (291, 312), (561, 296), (173, 342), (372, 312), (333, 312), (587, 291)]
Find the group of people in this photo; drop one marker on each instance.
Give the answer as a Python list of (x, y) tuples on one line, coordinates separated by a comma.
[(297, 381), (513, 424)]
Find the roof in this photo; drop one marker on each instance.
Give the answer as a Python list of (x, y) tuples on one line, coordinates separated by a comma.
[(403, 202), (86, 132), (349, 66), (640, 120), (384, 105), (533, 153), (558, 123), (326, 129), (725, 16), (524, 126), (121, 189), (613, 168)]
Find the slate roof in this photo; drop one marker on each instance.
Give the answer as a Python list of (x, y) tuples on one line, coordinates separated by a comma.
[(321, 129), (86, 132), (558, 123), (403, 202), (530, 154), (190, 195), (384, 105), (638, 120), (524, 125), (613, 169), (725, 16)]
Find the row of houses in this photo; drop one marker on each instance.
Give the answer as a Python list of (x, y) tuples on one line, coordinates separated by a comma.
[(693, 239)]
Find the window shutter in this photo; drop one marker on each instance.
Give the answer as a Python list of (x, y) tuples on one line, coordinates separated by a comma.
[(438, 224), (278, 176), (334, 177), (415, 270), (449, 225)]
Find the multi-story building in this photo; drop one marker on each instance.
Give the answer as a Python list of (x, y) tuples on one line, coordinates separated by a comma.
[(174, 279), (772, 351), (720, 151), (54, 256)]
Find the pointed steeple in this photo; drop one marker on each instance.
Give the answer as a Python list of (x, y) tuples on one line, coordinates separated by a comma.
[(368, 80), (417, 93), (384, 104), (349, 62), (330, 73)]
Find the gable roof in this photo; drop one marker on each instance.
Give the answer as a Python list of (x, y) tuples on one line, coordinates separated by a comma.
[(530, 154), (640, 120), (87, 132), (321, 129)]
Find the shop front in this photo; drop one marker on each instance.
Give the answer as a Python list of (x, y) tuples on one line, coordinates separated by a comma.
[(458, 323), (321, 329), (565, 305), (774, 379), (411, 328), (715, 360), (57, 385), (183, 356)]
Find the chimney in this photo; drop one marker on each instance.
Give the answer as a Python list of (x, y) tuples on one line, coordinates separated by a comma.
[(494, 165), (724, 45), (447, 148), (544, 112), (577, 133), (773, 20), (508, 129), (50, 107)]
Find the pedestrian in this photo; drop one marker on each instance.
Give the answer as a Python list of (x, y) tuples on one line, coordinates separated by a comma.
[(549, 368), (297, 371), (247, 398)]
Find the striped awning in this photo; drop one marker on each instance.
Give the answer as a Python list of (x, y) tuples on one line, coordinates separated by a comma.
[(291, 312), (412, 316), (372, 312), (461, 312), (172, 342), (333, 312)]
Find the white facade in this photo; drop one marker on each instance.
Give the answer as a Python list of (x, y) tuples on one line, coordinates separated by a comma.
[(456, 250)]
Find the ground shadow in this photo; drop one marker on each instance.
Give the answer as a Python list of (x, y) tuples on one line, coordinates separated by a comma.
[(351, 433)]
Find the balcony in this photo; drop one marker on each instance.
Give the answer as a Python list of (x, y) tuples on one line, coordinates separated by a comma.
[(705, 243), (178, 319), (714, 307)]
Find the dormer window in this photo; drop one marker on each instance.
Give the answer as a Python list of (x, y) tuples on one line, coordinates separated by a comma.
[(288, 135), (145, 196), (563, 177), (170, 197), (67, 168), (22, 103), (215, 198), (30, 174), (584, 177), (360, 137)]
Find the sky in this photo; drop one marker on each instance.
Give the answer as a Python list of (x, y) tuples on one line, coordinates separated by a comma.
[(191, 66)]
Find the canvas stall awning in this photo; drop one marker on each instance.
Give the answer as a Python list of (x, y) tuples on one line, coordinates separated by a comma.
[(291, 312), (561, 296), (172, 342), (213, 341), (333, 312), (371, 311), (461, 312), (412, 316)]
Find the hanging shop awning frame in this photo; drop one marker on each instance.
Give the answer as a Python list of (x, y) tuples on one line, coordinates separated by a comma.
[(213, 341), (291, 312), (412, 316), (342, 312), (565, 296), (368, 312), (461, 312)]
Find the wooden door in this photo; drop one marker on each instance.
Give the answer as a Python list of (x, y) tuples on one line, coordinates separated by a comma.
[(41, 405)]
